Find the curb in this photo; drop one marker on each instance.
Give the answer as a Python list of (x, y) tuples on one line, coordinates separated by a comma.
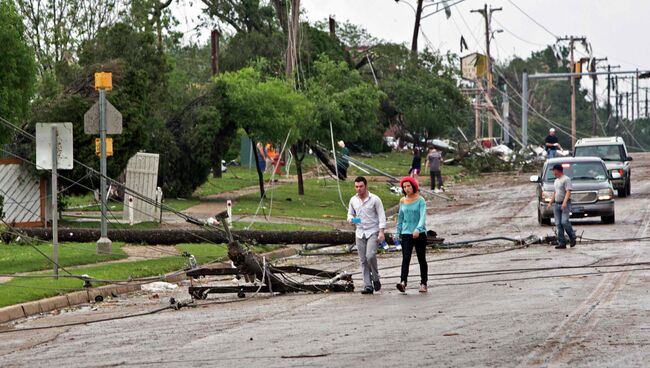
[(27, 309)]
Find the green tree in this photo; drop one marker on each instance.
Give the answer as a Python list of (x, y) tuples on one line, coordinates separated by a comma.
[(265, 108), (17, 69)]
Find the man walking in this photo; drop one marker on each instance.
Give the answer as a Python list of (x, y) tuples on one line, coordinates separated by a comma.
[(434, 160), (551, 144), (366, 211), (561, 202)]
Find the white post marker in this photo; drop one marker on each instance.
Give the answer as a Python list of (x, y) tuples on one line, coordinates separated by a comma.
[(55, 210), (229, 211), (131, 220), (159, 196)]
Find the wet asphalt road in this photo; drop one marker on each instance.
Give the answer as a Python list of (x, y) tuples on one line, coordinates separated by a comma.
[(498, 313)]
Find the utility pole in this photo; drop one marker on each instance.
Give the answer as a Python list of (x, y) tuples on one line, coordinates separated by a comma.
[(214, 36), (506, 116), (638, 96), (477, 115), (627, 105), (416, 28), (571, 40), (487, 15), (594, 103)]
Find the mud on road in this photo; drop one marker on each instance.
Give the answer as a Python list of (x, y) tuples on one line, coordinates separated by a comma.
[(492, 305)]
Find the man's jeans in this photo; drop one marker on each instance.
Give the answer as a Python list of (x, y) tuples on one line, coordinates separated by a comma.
[(367, 248), (562, 223), (551, 153)]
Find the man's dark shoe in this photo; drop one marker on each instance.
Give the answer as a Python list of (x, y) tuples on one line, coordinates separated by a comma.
[(367, 291), (376, 285), (563, 246), (572, 243)]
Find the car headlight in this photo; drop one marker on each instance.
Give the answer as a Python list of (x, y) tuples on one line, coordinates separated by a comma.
[(605, 194), (546, 196)]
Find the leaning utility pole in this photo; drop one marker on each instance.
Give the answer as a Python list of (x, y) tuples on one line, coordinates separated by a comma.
[(571, 40), (416, 28), (487, 15)]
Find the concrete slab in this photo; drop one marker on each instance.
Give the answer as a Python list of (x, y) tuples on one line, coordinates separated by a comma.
[(56, 302), (10, 313), (79, 297), (32, 308)]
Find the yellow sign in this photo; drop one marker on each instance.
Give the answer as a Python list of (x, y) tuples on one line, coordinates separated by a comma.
[(109, 146), (473, 66), (104, 80)]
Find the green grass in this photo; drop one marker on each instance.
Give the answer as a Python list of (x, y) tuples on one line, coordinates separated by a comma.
[(321, 200), (69, 222), (21, 290), (237, 225), (86, 202), (398, 164), (24, 258), (235, 178)]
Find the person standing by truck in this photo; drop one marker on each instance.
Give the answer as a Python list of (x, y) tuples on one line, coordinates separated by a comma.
[(561, 202)]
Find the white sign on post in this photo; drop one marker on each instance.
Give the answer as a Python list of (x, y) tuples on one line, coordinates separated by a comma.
[(65, 159), (113, 120)]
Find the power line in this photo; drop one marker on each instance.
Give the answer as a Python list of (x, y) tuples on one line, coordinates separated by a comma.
[(533, 19)]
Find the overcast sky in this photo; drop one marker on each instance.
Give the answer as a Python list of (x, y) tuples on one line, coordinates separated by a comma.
[(615, 29)]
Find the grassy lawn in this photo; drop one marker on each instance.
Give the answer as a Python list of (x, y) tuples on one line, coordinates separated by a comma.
[(69, 222), (321, 199), (24, 258), (398, 164), (237, 225), (86, 202), (21, 290)]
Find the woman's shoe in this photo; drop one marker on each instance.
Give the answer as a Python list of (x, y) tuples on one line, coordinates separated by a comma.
[(401, 286), (423, 288)]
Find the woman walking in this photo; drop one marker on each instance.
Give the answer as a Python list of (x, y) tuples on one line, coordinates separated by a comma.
[(416, 164), (412, 230)]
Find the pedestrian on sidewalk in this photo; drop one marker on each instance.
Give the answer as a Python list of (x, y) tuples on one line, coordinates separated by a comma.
[(366, 212), (416, 164), (433, 163), (561, 202), (411, 228)]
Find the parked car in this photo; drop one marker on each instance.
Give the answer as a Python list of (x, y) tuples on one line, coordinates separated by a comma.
[(592, 194), (612, 150)]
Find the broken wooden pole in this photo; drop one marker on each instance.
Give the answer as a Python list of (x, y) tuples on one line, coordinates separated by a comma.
[(176, 236)]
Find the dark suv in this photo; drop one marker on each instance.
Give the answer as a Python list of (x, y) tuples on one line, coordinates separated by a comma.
[(592, 193), (612, 150)]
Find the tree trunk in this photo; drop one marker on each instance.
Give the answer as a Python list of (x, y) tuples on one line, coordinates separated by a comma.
[(295, 148), (260, 175)]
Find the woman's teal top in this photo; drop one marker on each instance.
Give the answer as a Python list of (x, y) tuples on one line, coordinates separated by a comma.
[(412, 216)]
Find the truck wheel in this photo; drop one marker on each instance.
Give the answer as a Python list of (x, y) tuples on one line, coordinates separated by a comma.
[(608, 219), (628, 187), (622, 193)]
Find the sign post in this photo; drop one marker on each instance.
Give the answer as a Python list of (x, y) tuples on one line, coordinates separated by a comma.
[(54, 152), (104, 119), (55, 205)]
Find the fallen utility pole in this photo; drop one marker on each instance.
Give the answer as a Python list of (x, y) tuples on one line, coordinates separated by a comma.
[(176, 236), (273, 279)]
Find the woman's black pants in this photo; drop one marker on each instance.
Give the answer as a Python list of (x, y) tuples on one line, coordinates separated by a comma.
[(420, 245)]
